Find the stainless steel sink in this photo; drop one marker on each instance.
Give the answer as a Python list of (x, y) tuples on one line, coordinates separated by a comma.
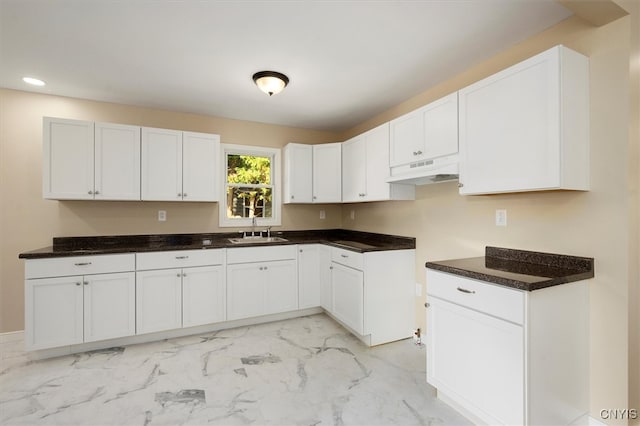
[(256, 240)]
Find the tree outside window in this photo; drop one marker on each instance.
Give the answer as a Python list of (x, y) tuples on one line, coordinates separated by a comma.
[(249, 186)]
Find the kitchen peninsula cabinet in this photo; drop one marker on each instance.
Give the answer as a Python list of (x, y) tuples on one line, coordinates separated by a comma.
[(365, 168), (74, 300), (372, 293), (179, 166), (261, 281), (83, 160), (508, 336), (312, 173), (526, 128)]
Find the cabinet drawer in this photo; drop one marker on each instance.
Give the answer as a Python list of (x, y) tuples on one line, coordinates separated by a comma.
[(179, 259), (79, 265), (260, 254), (347, 258), (484, 297)]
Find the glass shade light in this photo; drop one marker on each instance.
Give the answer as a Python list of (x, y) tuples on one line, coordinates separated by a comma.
[(270, 82)]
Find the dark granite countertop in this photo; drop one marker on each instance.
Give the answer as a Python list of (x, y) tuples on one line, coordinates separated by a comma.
[(520, 269), (356, 241)]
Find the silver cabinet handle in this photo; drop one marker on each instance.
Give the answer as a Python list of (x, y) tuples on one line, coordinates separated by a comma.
[(86, 283), (314, 197), (82, 264), (344, 255), (178, 275), (184, 194), (184, 274), (464, 290), (419, 152), (300, 250), (292, 197), (97, 192), (78, 283), (90, 192), (426, 304), (460, 184), (182, 257)]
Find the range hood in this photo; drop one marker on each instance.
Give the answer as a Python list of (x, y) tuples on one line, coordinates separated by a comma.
[(425, 172)]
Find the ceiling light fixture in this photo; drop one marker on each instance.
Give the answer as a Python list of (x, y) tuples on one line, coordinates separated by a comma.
[(33, 81), (270, 82)]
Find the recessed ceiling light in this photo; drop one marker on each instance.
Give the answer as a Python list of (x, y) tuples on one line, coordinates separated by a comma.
[(33, 81)]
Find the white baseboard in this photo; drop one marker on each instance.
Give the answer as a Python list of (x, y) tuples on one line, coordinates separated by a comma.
[(11, 336)]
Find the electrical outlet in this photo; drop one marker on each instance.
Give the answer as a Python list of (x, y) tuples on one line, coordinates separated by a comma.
[(162, 215), (501, 217), (323, 215), (353, 215)]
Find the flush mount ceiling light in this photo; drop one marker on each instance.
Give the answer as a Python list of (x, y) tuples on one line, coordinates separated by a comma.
[(270, 82), (33, 81)]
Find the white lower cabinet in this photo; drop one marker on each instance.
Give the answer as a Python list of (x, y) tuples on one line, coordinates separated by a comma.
[(348, 296), (311, 275), (158, 300), (261, 281), (70, 310), (372, 293), (506, 356), (186, 296)]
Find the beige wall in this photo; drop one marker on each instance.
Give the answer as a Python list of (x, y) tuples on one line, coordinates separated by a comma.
[(592, 223), (28, 222), (445, 224)]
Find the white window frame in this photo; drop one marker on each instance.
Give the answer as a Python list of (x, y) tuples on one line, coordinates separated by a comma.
[(274, 153)]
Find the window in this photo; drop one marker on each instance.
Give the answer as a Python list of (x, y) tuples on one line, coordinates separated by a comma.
[(251, 186)]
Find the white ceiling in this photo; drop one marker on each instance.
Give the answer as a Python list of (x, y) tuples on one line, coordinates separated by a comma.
[(347, 60)]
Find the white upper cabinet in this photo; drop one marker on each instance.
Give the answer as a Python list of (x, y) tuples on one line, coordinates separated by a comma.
[(426, 133), (327, 173), (179, 166), (365, 168), (527, 128), (200, 166), (298, 173), (161, 164), (67, 172), (313, 173), (87, 161), (117, 162)]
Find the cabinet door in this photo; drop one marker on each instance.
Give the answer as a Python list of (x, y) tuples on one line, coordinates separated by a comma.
[(298, 173), (117, 162), (327, 173), (109, 306), (309, 276), (354, 170), (281, 286), (67, 172), (477, 360), (161, 164), (326, 292), (245, 290), (348, 296), (53, 312), (377, 158), (441, 127), (407, 138), (158, 300), (200, 166), (509, 129), (203, 295)]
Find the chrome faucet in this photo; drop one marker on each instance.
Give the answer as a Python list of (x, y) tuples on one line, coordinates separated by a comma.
[(254, 223)]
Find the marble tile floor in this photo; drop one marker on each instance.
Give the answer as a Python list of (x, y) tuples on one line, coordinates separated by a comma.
[(303, 371)]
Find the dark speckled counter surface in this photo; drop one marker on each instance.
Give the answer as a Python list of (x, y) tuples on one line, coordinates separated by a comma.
[(356, 241), (520, 269)]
